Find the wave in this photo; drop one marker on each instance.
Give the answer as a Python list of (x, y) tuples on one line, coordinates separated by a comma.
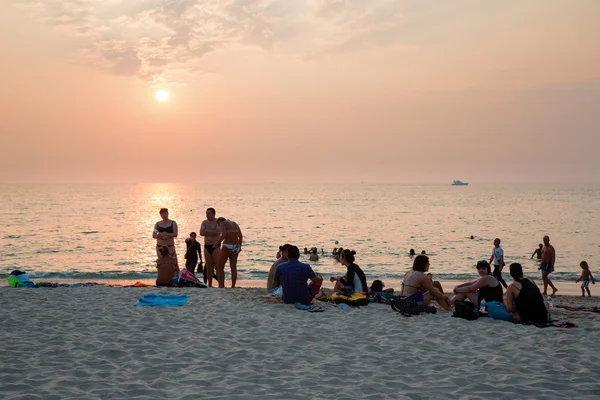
[(254, 274)]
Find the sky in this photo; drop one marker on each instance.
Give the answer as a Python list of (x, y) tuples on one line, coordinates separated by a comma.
[(408, 91)]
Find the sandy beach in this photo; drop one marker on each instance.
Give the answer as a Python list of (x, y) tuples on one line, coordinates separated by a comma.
[(73, 343)]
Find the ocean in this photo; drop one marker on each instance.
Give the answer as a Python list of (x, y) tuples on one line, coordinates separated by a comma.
[(99, 232)]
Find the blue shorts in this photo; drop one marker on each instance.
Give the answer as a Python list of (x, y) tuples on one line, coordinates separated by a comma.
[(417, 297), (585, 283), (496, 310), (546, 267)]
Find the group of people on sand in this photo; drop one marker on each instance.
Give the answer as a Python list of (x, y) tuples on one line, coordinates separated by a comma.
[(223, 240), (300, 284)]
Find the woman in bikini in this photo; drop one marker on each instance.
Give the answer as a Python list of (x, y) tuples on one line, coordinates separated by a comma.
[(231, 237), (417, 286), (165, 232), (166, 266)]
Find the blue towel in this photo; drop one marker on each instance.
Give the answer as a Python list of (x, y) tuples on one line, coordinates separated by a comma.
[(162, 300), (308, 308)]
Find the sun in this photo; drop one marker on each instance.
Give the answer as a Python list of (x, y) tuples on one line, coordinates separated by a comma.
[(162, 96)]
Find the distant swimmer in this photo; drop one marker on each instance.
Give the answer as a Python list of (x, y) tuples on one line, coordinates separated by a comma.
[(423, 252), (314, 257), (538, 252), (231, 236), (411, 252), (472, 237), (165, 232)]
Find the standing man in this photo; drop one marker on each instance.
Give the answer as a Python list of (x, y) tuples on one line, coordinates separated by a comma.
[(192, 254), (547, 267), (293, 275), (498, 257), (538, 252), (210, 230)]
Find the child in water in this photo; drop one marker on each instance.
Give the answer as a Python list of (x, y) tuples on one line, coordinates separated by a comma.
[(585, 278)]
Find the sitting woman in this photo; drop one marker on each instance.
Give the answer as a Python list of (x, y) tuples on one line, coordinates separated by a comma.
[(354, 280), (524, 299), (486, 287), (167, 267), (418, 287)]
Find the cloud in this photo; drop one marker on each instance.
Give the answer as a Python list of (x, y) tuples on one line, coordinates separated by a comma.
[(161, 41)]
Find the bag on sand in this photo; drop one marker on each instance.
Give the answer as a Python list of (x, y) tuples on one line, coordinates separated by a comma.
[(465, 310), (354, 300)]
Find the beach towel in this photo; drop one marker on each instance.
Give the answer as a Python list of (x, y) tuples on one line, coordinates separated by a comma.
[(381, 297), (554, 323), (308, 308), (581, 308), (162, 300)]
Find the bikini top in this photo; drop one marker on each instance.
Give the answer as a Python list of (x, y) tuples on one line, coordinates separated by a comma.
[(168, 229)]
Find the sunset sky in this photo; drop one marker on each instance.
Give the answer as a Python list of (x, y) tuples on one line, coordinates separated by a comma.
[(300, 90)]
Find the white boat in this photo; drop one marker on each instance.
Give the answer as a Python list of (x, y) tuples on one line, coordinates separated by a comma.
[(459, 183)]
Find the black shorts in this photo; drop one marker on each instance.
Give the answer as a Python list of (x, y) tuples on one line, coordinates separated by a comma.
[(164, 284)]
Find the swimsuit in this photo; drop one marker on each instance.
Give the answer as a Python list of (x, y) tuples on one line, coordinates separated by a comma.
[(234, 248), (547, 267), (168, 229), (585, 283), (208, 248)]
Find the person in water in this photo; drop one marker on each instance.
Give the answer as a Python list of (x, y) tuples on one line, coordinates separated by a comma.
[(280, 260), (231, 236), (192, 254), (314, 256), (423, 252), (585, 278), (293, 275), (523, 298), (547, 266), (412, 253), (166, 266), (418, 287), (498, 258), (210, 231), (354, 280), (538, 252), (487, 288), (165, 232)]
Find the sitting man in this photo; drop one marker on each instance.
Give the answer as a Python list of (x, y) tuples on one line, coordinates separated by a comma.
[(282, 259), (292, 276)]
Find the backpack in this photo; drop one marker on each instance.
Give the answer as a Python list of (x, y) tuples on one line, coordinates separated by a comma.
[(465, 310)]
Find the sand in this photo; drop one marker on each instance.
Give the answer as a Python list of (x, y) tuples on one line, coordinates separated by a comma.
[(74, 343)]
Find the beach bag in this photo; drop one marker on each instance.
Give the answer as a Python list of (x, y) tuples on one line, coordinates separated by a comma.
[(465, 310), (186, 278), (406, 306), (356, 299)]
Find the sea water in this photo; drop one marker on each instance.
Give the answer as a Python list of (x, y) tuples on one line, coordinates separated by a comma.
[(97, 232)]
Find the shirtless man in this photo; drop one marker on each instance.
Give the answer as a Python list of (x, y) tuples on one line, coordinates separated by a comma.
[(232, 238), (538, 252), (210, 230), (547, 267)]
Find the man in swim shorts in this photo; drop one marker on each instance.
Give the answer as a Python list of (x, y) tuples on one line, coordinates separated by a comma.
[(547, 267), (210, 230)]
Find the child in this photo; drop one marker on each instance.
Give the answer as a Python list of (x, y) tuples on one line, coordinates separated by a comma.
[(585, 278)]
